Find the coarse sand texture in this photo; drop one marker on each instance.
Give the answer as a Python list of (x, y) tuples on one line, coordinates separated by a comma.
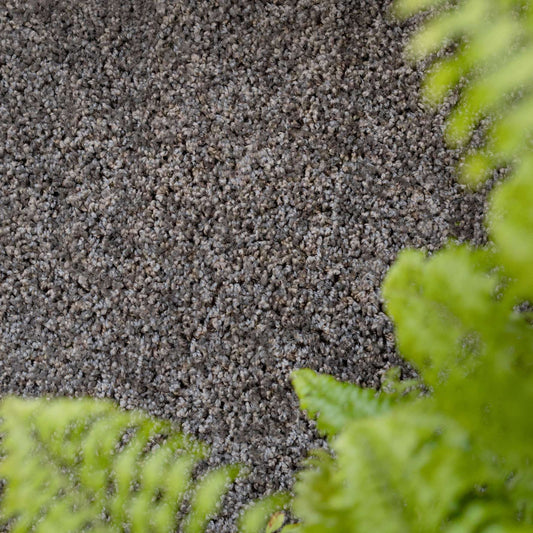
[(198, 197)]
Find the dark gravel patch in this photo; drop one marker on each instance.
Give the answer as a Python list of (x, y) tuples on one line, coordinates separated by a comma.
[(198, 197)]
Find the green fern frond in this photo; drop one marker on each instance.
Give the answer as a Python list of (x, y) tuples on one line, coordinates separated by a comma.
[(447, 27), (494, 56), (292, 528), (85, 465), (489, 93), (439, 310), (481, 50), (333, 403), (256, 516), (460, 459), (480, 360), (207, 497), (511, 225), (406, 8), (405, 472)]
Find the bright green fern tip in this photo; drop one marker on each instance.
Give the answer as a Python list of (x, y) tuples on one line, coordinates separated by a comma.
[(457, 459), (511, 226), (85, 465), (265, 514), (493, 58), (333, 403), (406, 8)]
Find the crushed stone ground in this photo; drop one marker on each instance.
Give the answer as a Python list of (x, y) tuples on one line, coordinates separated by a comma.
[(198, 197)]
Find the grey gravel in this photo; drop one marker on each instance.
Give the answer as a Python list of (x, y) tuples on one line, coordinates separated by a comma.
[(199, 197)]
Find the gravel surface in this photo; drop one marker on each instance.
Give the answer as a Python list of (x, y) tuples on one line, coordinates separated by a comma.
[(198, 197)]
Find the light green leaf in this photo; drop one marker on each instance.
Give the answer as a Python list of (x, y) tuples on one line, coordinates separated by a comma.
[(120, 471), (256, 516), (406, 8), (490, 67), (333, 403), (275, 522), (446, 27), (206, 498), (511, 225)]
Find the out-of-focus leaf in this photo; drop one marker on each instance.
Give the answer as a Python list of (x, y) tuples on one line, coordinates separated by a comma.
[(116, 470), (256, 516), (275, 522), (207, 495), (490, 65)]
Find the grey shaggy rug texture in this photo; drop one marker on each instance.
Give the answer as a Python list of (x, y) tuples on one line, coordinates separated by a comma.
[(198, 197)]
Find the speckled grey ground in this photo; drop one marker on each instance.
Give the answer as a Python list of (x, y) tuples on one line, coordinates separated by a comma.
[(198, 197)]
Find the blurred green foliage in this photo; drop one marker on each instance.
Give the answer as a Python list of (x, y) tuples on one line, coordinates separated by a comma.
[(453, 455), (458, 457), (490, 66), (84, 465), (256, 517)]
